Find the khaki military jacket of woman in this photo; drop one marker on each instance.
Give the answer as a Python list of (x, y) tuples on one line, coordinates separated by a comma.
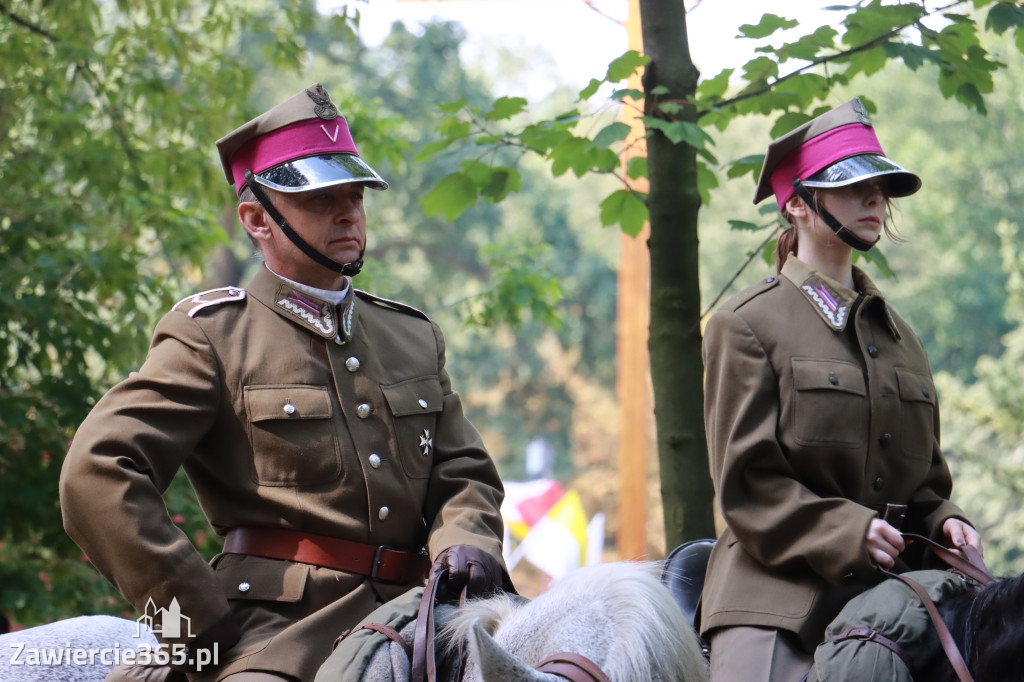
[(818, 403), (285, 412)]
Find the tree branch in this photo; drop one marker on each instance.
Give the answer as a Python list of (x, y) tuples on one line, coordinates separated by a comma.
[(739, 272), (24, 23), (768, 87)]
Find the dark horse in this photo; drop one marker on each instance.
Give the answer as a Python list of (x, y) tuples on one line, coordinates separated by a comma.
[(987, 625)]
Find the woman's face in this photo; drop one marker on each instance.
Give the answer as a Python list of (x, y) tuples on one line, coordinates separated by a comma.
[(860, 207)]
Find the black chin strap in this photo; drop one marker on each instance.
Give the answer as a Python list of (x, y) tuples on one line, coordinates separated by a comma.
[(346, 269), (846, 235)]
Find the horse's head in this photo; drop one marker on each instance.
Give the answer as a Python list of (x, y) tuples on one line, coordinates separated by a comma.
[(617, 615), (988, 626)]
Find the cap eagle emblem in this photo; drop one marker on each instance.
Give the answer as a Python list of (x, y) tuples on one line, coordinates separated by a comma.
[(324, 107)]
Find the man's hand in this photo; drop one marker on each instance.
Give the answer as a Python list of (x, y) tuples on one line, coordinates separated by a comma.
[(470, 568)]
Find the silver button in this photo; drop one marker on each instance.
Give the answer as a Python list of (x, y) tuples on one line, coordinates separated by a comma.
[(423, 403), (352, 364), (289, 408), (243, 586), (363, 410), (375, 460), (383, 513)]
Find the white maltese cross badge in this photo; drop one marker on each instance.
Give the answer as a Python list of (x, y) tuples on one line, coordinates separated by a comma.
[(426, 442)]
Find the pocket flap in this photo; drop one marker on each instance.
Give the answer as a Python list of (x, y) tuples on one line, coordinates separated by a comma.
[(415, 396), (832, 375), (915, 387), (251, 577), (287, 402)]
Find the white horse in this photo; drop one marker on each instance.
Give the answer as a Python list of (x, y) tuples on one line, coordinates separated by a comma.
[(618, 615), (81, 649)]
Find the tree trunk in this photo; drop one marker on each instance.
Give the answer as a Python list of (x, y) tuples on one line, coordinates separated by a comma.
[(675, 338)]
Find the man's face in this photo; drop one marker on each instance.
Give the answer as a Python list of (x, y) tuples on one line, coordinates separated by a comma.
[(331, 220)]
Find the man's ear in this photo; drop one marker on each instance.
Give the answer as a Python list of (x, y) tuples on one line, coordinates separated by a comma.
[(255, 220), (796, 206)]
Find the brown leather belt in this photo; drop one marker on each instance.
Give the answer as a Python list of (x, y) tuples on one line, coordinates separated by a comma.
[(378, 562)]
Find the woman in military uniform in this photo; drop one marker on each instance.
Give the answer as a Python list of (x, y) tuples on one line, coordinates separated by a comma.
[(821, 414), (316, 422)]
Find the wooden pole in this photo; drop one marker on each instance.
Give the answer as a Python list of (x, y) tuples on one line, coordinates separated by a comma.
[(632, 323)]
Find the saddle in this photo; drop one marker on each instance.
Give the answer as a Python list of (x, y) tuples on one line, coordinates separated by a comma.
[(683, 573)]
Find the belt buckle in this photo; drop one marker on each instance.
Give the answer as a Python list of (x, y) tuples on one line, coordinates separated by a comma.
[(377, 561), (895, 515)]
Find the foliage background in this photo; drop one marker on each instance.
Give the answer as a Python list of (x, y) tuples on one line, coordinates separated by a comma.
[(114, 207)]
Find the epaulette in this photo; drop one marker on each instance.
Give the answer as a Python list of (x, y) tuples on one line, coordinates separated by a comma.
[(393, 305), (751, 292), (211, 298)]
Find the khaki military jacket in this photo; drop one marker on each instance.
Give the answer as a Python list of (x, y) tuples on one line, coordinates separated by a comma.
[(286, 412), (818, 402)]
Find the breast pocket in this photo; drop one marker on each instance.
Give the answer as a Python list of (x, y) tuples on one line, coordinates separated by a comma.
[(292, 435), (415, 406), (831, 406), (917, 413)]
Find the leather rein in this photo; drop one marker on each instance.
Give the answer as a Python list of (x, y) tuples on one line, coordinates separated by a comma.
[(423, 665)]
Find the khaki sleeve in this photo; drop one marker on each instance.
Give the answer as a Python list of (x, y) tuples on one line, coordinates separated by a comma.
[(122, 459), (465, 491), (777, 519)]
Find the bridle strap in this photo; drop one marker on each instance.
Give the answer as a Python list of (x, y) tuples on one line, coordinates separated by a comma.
[(347, 269), (841, 231), (945, 638), (973, 566), (424, 666), (573, 667)]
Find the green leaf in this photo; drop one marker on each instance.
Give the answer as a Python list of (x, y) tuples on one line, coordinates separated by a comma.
[(706, 181), (679, 131), (636, 167), (544, 138), (591, 89), (619, 95), (505, 108), (626, 209), (714, 88), (744, 226), (625, 66), (1004, 16), (452, 195), (610, 134), (501, 182), (433, 148), (769, 24), (451, 107), (787, 122), (748, 164)]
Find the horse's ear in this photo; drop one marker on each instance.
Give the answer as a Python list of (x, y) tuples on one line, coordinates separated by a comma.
[(497, 665)]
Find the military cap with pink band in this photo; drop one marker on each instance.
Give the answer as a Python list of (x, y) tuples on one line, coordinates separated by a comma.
[(835, 149), (301, 144)]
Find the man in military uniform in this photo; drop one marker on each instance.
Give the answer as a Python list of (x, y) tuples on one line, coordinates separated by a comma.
[(317, 424)]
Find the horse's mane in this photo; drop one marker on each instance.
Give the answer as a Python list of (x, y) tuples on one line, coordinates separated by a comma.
[(623, 600), (988, 627)]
